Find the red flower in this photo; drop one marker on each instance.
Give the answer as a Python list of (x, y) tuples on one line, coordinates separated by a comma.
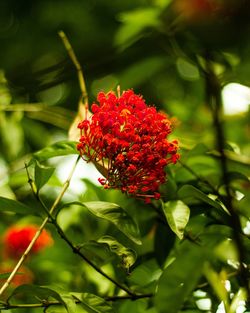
[(129, 139), (17, 239)]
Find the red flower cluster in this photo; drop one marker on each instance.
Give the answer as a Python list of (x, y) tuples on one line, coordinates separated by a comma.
[(129, 139), (17, 239)]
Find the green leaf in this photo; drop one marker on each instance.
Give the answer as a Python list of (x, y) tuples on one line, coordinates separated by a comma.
[(179, 278), (240, 296), (146, 274), (237, 176), (57, 309), (42, 293), (108, 248), (134, 22), (177, 215), (217, 284), (99, 253), (127, 255), (10, 205), (188, 192), (114, 214), (57, 149), (93, 304), (42, 174)]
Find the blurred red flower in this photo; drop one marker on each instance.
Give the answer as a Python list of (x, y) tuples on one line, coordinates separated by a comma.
[(129, 140), (23, 276), (17, 238)]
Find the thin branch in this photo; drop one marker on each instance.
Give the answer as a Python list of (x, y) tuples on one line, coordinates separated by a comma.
[(38, 233), (72, 55), (46, 304), (135, 297), (75, 248)]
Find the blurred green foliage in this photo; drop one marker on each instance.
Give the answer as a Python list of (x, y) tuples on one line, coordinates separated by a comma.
[(161, 49)]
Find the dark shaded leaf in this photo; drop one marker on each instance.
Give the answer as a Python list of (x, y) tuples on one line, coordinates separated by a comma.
[(10, 205), (163, 242), (188, 192)]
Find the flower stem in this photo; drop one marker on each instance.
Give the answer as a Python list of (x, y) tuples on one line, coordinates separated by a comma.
[(72, 55)]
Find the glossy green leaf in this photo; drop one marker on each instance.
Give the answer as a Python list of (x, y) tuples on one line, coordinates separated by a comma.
[(57, 149), (188, 192), (92, 303), (114, 214), (179, 278), (9, 205), (42, 174), (177, 215)]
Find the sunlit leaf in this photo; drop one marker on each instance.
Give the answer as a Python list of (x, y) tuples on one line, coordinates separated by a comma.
[(217, 283), (227, 252), (239, 298), (179, 278), (177, 215), (42, 174), (57, 149)]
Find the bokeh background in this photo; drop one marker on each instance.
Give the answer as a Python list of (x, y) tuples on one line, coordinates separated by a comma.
[(160, 49)]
